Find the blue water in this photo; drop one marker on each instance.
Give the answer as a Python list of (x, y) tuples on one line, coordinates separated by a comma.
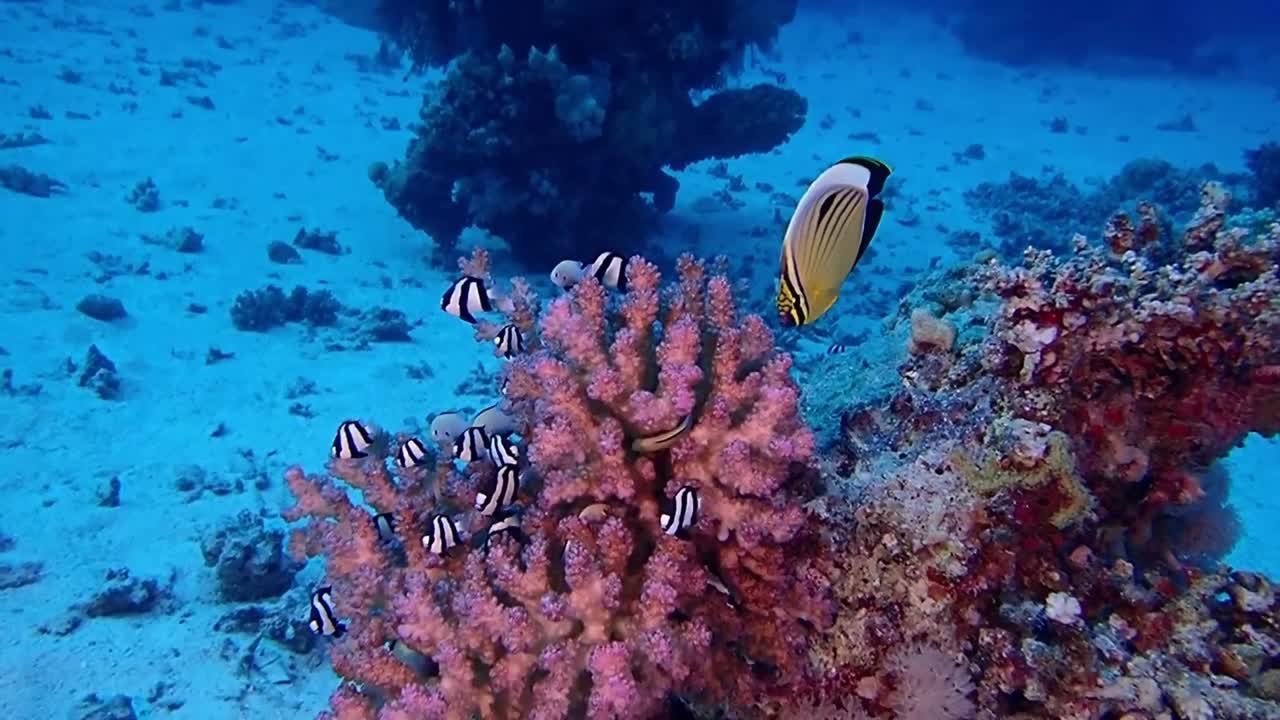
[(132, 128)]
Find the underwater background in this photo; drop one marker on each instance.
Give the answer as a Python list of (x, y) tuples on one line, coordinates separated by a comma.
[(986, 483)]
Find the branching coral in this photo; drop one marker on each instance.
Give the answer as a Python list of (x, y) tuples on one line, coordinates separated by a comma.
[(597, 611)]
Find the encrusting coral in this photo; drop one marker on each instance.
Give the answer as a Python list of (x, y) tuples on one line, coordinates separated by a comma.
[(1041, 498), (597, 608)]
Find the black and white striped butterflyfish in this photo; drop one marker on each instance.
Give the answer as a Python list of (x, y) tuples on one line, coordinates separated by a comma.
[(385, 524), (471, 445), (611, 270), (502, 451), (468, 296), (684, 511), (500, 492), (443, 535), (352, 441), (837, 348), (510, 341), (412, 454), (831, 228), (323, 621)]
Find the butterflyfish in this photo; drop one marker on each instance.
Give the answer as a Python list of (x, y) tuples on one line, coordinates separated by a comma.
[(831, 228)]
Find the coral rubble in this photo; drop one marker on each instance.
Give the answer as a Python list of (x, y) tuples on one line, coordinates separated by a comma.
[(555, 120)]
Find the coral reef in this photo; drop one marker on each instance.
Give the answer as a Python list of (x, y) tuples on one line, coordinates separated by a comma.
[(1019, 34), (1264, 162), (556, 120), (602, 605), (1025, 210), (1035, 508)]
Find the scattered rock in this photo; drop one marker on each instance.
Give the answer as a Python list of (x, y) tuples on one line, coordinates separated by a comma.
[(201, 101), (318, 240), (99, 374), (26, 182), (63, 625), (159, 695), (381, 324), (183, 240), (282, 623), (126, 595), (8, 388), (145, 196), (21, 140), (1186, 123), (283, 253), (109, 493), (190, 479), (249, 559), (215, 356), (116, 707), (20, 575), (102, 307)]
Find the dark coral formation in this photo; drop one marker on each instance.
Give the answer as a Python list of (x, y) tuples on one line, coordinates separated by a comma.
[(269, 307), (1038, 519), (1264, 162), (249, 559), (1021, 33), (557, 117), (1029, 211)]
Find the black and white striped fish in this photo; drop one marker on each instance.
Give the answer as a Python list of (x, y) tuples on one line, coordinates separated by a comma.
[(684, 511), (443, 535), (663, 440), (506, 522), (471, 445), (385, 524), (323, 621), (466, 297), (611, 270), (718, 585), (352, 441), (500, 492), (510, 341), (412, 454), (502, 451), (837, 348)]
